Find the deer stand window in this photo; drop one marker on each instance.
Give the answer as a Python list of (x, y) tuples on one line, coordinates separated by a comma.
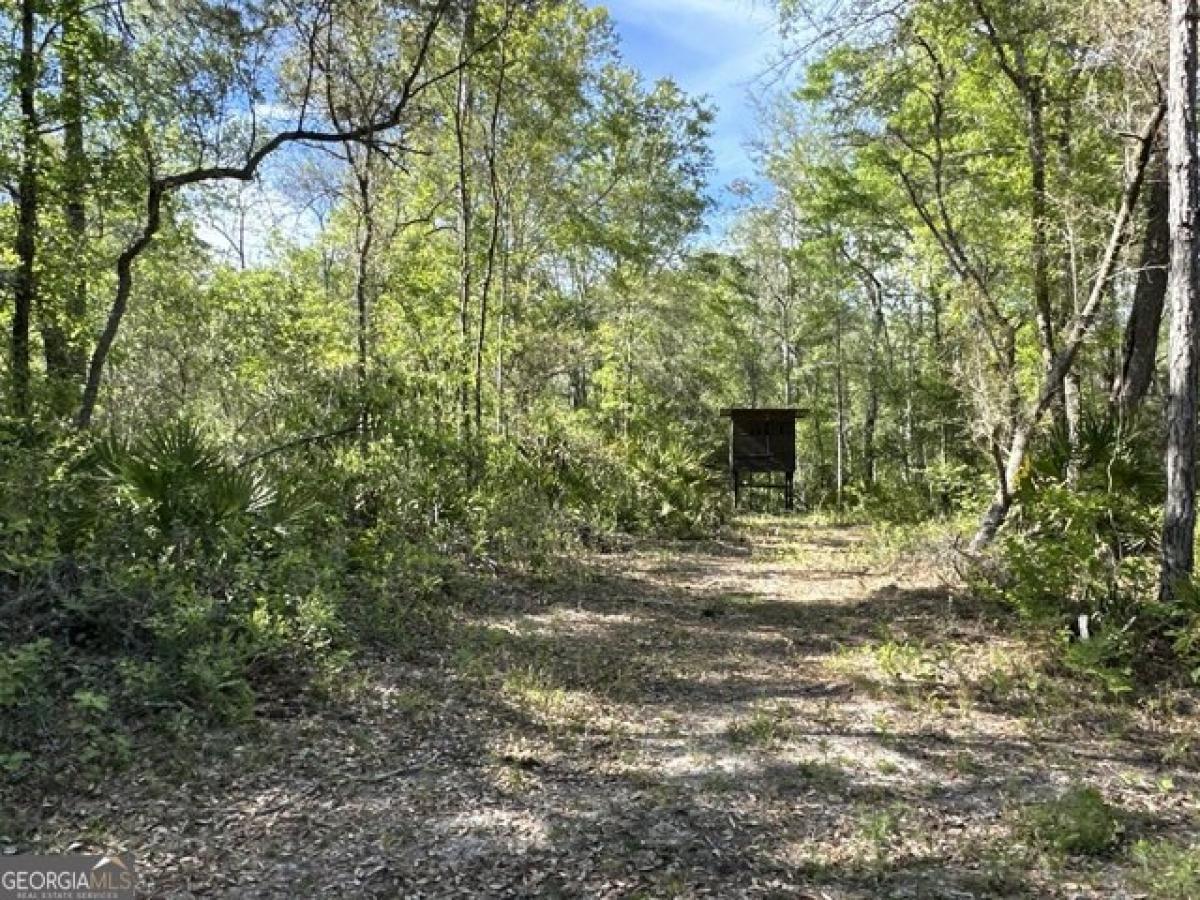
[(763, 440)]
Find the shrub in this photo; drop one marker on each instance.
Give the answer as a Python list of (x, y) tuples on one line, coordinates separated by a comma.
[(656, 484), (1079, 821), (1087, 546), (182, 493)]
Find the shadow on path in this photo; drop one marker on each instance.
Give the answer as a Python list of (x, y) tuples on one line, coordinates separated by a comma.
[(688, 721)]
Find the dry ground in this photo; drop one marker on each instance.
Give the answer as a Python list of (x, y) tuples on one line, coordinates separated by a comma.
[(777, 716)]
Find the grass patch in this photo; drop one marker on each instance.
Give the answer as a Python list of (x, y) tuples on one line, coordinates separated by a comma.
[(893, 541), (1167, 870), (903, 661), (964, 764), (534, 689)]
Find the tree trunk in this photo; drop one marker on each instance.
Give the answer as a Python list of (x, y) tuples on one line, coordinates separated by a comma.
[(61, 325), (1140, 349), (116, 313), (462, 117), (76, 180), (25, 243), (943, 436), (489, 272), (871, 410), (363, 291), (1069, 410), (1039, 219), (870, 417), (501, 314), (789, 390), (1029, 83), (1179, 513), (814, 391), (840, 401), (1072, 403)]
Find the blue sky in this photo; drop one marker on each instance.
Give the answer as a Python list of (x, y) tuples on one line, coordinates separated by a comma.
[(710, 47)]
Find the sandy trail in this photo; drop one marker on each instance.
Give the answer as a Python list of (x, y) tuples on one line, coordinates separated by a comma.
[(774, 717)]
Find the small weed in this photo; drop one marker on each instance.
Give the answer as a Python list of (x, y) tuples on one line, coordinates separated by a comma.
[(536, 690), (412, 701), (809, 774), (673, 885), (718, 783), (766, 727), (512, 779), (825, 747), (964, 763), (473, 662), (1001, 870), (1178, 751), (883, 726), (879, 826), (999, 682), (723, 604)]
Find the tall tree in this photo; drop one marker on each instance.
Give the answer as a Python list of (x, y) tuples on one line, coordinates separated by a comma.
[(1183, 166), (66, 368), (463, 117), (28, 208)]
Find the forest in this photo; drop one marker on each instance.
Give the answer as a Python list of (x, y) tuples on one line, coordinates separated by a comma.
[(366, 524)]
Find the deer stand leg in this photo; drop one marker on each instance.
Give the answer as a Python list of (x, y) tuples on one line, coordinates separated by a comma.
[(789, 490), (737, 489)]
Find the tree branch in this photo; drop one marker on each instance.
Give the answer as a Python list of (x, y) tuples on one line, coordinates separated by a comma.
[(160, 187)]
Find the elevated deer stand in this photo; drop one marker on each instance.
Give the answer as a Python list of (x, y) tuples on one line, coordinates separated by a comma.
[(763, 440)]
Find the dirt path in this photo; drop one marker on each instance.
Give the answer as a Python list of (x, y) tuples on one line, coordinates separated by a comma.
[(778, 717)]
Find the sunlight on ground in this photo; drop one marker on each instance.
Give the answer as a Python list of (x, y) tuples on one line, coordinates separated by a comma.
[(791, 717)]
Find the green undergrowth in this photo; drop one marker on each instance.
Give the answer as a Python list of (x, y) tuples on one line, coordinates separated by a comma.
[(1082, 546), (160, 579)]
